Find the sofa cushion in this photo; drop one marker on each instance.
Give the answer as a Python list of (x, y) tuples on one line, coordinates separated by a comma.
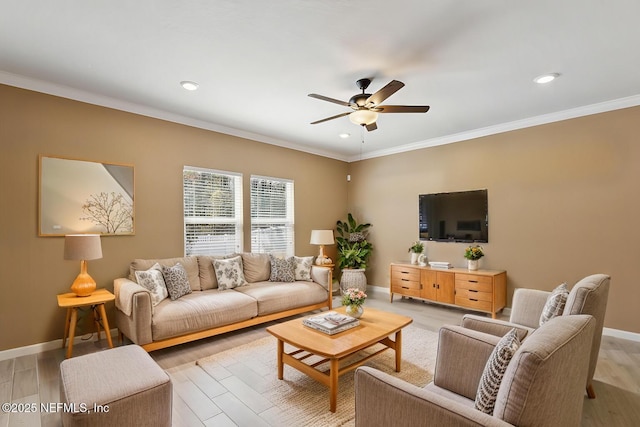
[(229, 273), (274, 297), (494, 371), (256, 267), (153, 281), (199, 311), (282, 269), (555, 303), (176, 280), (206, 272), (302, 267), (189, 263)]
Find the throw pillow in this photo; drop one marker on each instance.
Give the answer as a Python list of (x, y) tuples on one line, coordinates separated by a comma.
[(177, 281), (555, 304), (282, 269), (153, 280), (302, 269), (256, 267), (229, 273), (494, 371)]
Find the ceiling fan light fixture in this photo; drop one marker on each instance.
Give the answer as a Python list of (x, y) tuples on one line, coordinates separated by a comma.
[(363, 117), (189, 85), (546, 78)]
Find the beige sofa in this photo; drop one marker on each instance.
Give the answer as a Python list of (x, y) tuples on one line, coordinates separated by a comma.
[(209, 311)]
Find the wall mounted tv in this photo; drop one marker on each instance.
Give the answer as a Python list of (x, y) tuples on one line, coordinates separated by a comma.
[(454, 217)]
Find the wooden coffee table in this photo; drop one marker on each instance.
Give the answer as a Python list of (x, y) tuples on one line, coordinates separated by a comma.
[(375, 328)]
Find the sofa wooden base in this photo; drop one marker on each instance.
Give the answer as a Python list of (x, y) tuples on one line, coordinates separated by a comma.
[(157, 345)]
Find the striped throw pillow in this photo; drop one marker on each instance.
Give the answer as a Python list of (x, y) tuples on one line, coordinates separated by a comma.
[(555, 303), (494, 371)]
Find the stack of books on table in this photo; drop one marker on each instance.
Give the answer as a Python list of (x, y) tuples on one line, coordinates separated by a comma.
[(331, 322), (439, 264)]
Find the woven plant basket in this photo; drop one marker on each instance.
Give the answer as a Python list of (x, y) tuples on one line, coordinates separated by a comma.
[(353, 278)]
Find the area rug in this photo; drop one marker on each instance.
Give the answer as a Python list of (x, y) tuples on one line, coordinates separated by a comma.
[(298, 400)]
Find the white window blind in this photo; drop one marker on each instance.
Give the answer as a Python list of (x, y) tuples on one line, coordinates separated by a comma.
[(212, 211), (272, 216)]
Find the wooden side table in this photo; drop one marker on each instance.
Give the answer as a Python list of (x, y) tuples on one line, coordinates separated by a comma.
[(72, 302)]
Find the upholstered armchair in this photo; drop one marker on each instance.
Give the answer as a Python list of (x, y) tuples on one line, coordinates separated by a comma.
[(542, 385), (588, 296)]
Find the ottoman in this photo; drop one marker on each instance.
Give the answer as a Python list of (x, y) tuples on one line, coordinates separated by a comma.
[(122, 386)]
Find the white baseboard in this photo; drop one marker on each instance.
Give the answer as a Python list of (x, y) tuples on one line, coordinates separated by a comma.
[(615, 333), (12, 353)]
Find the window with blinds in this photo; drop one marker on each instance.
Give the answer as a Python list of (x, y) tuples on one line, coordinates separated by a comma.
[(272, 216), (212, 211)]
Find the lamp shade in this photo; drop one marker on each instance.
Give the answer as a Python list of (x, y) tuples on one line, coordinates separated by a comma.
[(363, 117), (82, 246), (322, 237)]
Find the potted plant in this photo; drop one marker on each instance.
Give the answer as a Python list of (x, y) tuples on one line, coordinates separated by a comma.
[(473, 254), (353, 253), (415, 250)]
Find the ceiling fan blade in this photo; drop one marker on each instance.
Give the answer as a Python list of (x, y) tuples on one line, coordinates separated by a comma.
[(331, 118), (401, 109), (378, 97), (372, 126), (326, 98)]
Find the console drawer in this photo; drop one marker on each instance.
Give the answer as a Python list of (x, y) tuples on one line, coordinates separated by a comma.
[(474, 295), (404, 283), (474, 304), (476, 282), (410, 292), (405, 273)]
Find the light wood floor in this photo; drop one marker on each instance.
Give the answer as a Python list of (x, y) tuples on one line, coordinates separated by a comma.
[(34, 378)]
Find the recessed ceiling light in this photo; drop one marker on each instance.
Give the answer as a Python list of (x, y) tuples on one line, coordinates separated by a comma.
[(546, 78), (189, 85), (344, 135)]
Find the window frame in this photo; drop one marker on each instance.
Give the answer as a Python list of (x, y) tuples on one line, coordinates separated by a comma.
[(258, 245), (237, 219)]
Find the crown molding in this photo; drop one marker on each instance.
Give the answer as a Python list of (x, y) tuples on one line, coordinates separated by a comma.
[(105, 101), (63, 91), (602, 107)]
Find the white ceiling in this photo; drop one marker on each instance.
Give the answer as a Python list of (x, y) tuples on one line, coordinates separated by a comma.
[(472, 61)]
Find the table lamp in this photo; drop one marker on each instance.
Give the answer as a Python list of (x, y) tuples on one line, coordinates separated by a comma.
[(322, 237), (83, 247)]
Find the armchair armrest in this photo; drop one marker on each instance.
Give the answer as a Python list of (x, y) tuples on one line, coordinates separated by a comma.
[(527, 306), (133, 310), (461, 358), (493, 326), (383, 400)]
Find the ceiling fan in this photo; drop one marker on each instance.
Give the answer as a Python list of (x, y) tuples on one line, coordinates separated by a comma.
[(366, 106)]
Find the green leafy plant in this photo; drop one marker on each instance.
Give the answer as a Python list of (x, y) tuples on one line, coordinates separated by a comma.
[(473, 252), (353, 296), (417, 248), (353, 248)]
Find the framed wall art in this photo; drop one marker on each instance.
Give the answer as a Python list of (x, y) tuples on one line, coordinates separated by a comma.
[(81, 196)]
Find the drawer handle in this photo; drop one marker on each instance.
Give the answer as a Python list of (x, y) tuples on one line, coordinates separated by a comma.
[(404, 287), (472, 290), (404, 272), (473, 299), (473, 281), (405, 280)]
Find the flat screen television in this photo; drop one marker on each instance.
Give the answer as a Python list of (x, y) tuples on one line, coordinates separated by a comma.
[(454, 217)]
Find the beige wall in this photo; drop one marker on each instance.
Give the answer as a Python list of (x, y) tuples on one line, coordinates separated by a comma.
[(564, 202), (33, 269)]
